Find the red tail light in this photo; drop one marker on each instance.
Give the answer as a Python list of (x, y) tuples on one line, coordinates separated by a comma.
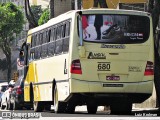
[(19, 90), (76, 67), (149, 68)]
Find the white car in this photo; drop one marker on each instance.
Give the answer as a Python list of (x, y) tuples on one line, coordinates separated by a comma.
[(2, 90), (5, 98)]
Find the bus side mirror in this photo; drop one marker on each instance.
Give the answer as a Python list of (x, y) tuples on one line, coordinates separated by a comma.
[(82, 51)]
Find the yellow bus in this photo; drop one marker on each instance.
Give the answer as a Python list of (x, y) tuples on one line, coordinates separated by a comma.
[(92, 57)]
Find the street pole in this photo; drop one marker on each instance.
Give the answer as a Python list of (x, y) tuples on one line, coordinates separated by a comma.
[(76, 4)]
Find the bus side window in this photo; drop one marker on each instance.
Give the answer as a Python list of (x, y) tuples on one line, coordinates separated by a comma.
[(67, 32), (40, 44), (60, 31), (44, 45), (51, 44), (37, 50), (32, 41), (63, 30), (41, 38), (48, 35), (59, 42), (35, 38), (66, 39), (44, 36), (32, 51), (57, 33)]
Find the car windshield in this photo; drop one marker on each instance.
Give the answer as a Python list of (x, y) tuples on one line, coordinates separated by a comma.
[(115, 28)]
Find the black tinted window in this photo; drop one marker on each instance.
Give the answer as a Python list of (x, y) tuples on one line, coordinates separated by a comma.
[(3, 88), (50, 41), (116, 28)]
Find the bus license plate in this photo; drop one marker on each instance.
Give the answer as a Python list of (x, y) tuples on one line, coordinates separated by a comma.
[(112, 78)]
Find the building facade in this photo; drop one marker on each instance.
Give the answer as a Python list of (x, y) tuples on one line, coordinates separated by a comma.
[(60, 6), (43, 3)]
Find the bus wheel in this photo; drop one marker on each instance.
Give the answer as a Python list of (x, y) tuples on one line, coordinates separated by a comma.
[(91, 108), (47, 107), (59, 107), (121, 108), (38, 106), (70, 108)]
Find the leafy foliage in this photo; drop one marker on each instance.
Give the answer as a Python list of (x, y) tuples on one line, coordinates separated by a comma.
[(44, 17), (37, 12), (29, 15), (11, 23)]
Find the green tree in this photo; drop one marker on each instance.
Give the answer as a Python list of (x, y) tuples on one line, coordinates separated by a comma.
[(37, 11), (32, 13), (11, 23), (44, 17), (30, 16)]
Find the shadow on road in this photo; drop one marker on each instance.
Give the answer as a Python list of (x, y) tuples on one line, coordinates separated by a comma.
[(136, 113)]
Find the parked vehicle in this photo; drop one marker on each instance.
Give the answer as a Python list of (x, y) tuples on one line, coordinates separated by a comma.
[(2, 90), (17, 96), (5, 103)]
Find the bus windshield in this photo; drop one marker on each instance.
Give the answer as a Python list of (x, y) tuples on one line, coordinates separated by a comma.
[(115, 29)]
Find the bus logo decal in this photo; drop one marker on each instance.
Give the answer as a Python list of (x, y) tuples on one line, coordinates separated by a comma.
[(96, 56), (113, 46), (103, 66)]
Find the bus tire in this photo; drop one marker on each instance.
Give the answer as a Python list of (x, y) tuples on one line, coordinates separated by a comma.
[(38, 106), (121, 108), (92, 107), (59, 107), (70, 108), (47, 107)]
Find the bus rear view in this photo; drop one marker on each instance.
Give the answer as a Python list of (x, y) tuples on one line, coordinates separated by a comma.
[(114, 63)]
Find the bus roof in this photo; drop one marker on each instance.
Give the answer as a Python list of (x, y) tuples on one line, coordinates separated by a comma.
[(70, 14)]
